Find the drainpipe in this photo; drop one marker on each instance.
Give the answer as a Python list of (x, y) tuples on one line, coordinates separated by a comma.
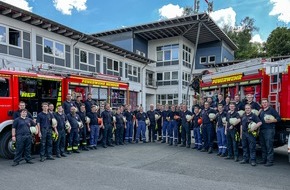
[(143, 85), (73, 53)]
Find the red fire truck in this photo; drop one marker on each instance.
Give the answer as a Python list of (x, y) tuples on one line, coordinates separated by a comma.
[(261, 77), (36, 87)]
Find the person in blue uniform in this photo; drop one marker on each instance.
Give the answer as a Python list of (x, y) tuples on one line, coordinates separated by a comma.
[(129, 124), (94, 126), (221, 100), (165, 123), (119, 126), (74, 120), (239, 104), (232, 132), (185, 123), (220, 131), (207, 128), (61, 140), (83, 131), (254, 105), (22, 136), (248, 137), (44, 124), (141, 125), (267, 132), (68, 104), (89, 102), (21, 106), (196, 128), (107, 124), (172, 125), (152, 130), (159, 109)]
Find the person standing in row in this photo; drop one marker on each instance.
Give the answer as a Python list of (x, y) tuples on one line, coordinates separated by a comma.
[(267, 132), (165, 123), (152, 132), (220, 131), (232, 132), (94, 127), (185, 123), (68, 104), (83, 131), (159, 121), (172, 125), (248, 135), (107, 120), (89, 102), (119, 126), (21, 106), (129, 124), (60, 143), (197, 121), (44, 124), (22, 136), (75, 122), (141, 125)]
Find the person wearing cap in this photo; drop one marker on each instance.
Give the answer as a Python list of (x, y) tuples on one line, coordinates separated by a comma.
[(196, 128), (152, 132), (248, 137), (207, 128), (44, 124), (232, 132), (83, 131), (73, 140), (119, 126), (68, 104), (107, 121), (141, 124), (267, 132), (185, 123), (94, 127), (220, 131), (165, 124), (60, 143), (129, 124), (89, 102), (22, 136)]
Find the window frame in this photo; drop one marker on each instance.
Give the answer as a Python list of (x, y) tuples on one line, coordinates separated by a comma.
[(169, 49), (87, 57), (113, 65), (6, 36), (201, 57), (210, 56), (21, 37), (54, 42), (132, 70)]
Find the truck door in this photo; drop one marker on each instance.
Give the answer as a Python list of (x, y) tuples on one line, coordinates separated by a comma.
[(5, 98)]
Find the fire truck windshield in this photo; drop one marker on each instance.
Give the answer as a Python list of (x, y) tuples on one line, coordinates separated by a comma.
[(4, 87)]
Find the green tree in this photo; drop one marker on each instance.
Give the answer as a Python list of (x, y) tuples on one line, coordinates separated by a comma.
[(278, 42), (241, 36)]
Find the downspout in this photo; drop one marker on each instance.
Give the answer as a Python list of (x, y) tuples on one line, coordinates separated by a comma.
[(74, 48), (143, 85)]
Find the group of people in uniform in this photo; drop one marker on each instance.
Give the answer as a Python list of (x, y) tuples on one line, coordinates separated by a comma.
[(76, 125)]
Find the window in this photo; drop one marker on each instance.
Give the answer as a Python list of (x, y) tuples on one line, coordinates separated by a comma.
[(159, 76), (186, 54), (175, 75), (132, 70), (4, 87), (53, 48), (113, 65), (48, 46), (167, 99), (203, 60), (166, 75), (3, 36), (211, 59), (167, 52), (83, 56), (116, 66), (59, 50), (14, 37)]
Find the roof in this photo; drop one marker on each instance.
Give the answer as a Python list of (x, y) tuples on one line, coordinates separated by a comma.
[(46, 24), (186, 26)]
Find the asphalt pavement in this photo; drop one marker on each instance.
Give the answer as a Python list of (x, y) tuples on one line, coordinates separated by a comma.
[(144, 166)]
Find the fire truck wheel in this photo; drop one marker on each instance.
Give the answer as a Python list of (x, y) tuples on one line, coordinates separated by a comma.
[(6, 150)]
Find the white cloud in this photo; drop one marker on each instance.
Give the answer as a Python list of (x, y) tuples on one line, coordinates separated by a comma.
[(66, 6), (224, 17), (282, 9), (23, 4), (256, 38), (170, 11)]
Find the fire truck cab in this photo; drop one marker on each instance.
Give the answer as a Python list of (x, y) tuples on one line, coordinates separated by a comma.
[(33, 89), (260, 77)]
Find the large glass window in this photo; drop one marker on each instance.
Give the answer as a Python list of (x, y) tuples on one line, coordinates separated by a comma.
[(175, 75), (83, 56), (14, 37), (3, 35), (186, 56), (166, 75), (167, 99), (167, 52), (48, 46), (53, 48), (159, 76)]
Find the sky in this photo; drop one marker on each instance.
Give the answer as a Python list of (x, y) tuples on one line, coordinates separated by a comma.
[(92, 16)]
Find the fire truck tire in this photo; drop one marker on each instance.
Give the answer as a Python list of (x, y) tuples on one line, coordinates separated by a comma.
[(6, 145)]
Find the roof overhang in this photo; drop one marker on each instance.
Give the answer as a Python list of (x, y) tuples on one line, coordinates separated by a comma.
[(182, 26), (46, 24)]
